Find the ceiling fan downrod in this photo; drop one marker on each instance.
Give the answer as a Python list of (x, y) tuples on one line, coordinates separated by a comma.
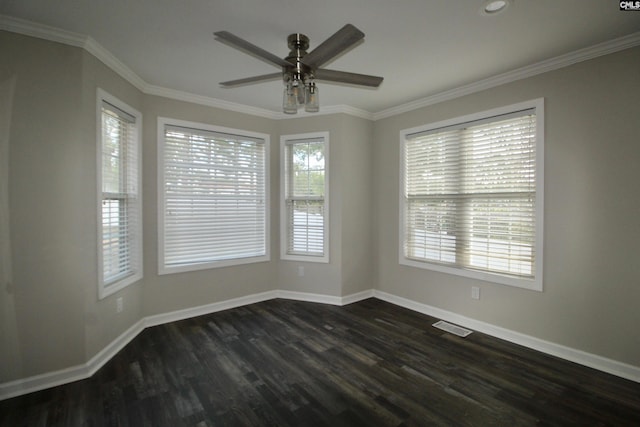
[(298, 43)]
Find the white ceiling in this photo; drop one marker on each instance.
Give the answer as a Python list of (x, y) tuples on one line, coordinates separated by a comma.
[(420, 47)]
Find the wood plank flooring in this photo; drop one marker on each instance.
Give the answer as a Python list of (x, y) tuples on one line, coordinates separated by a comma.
[(289, 363)]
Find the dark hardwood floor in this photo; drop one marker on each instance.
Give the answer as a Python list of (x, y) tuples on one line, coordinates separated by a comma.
[(288, 363)]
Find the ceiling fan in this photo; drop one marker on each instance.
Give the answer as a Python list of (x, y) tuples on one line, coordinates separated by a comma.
[(300, 69)]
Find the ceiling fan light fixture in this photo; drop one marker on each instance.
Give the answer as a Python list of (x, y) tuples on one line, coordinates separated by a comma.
[(298, 89), (289, 100), (312, 98), (494, 7)]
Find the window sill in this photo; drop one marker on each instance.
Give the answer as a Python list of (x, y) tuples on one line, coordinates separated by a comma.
[(104, 290), (306, 258), (530, 284), (182, 268)]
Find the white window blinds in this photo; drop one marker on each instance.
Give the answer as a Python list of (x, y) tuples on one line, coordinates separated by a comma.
[(120, 226), (305, 190), (213, 198), (470, 195)]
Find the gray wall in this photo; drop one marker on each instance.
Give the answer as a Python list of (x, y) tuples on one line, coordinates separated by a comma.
[(170, 292), (348, 270), (51, 262), (101, 323), (9, 357), (592, 275), (592, 171), (355, 149), (59, 321)]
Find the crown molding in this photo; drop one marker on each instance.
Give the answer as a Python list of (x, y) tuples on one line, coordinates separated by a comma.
[(21, 26), (345, 109), (209, 102), (329, 109), (87, 43), (107, 58), (28, 28), (45, 32), (601, 49), (247, 109)]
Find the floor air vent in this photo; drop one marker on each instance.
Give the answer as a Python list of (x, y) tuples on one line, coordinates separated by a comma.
[(456, 330)]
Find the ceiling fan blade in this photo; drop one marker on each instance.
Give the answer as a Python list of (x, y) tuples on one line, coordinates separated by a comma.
[(251, 48), (249, 80), (343, 39), (344, 77)]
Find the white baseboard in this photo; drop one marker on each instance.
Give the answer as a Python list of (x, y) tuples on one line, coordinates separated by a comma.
[(308, 297), (107, 353), (74, 373), (350, 299), (80, 372), (600, 363), (325, 299), (43, 381), (174, 316)]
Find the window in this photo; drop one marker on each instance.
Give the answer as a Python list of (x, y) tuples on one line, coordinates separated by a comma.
[(304, 185), (471, 196), (119, 165), (213, 196)]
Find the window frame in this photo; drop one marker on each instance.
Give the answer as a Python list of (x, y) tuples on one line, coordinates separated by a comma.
[(106, 288), (164, 269), (535, 283), (284, 237)]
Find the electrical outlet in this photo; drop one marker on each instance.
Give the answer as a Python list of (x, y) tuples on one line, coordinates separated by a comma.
[(119, 305), (301, 271), (475, 292)]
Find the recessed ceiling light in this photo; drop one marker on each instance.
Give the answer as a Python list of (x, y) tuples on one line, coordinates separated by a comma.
[(494, 7)]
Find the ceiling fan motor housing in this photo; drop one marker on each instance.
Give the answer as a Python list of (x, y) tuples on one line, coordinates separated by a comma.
[(298, 43)]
